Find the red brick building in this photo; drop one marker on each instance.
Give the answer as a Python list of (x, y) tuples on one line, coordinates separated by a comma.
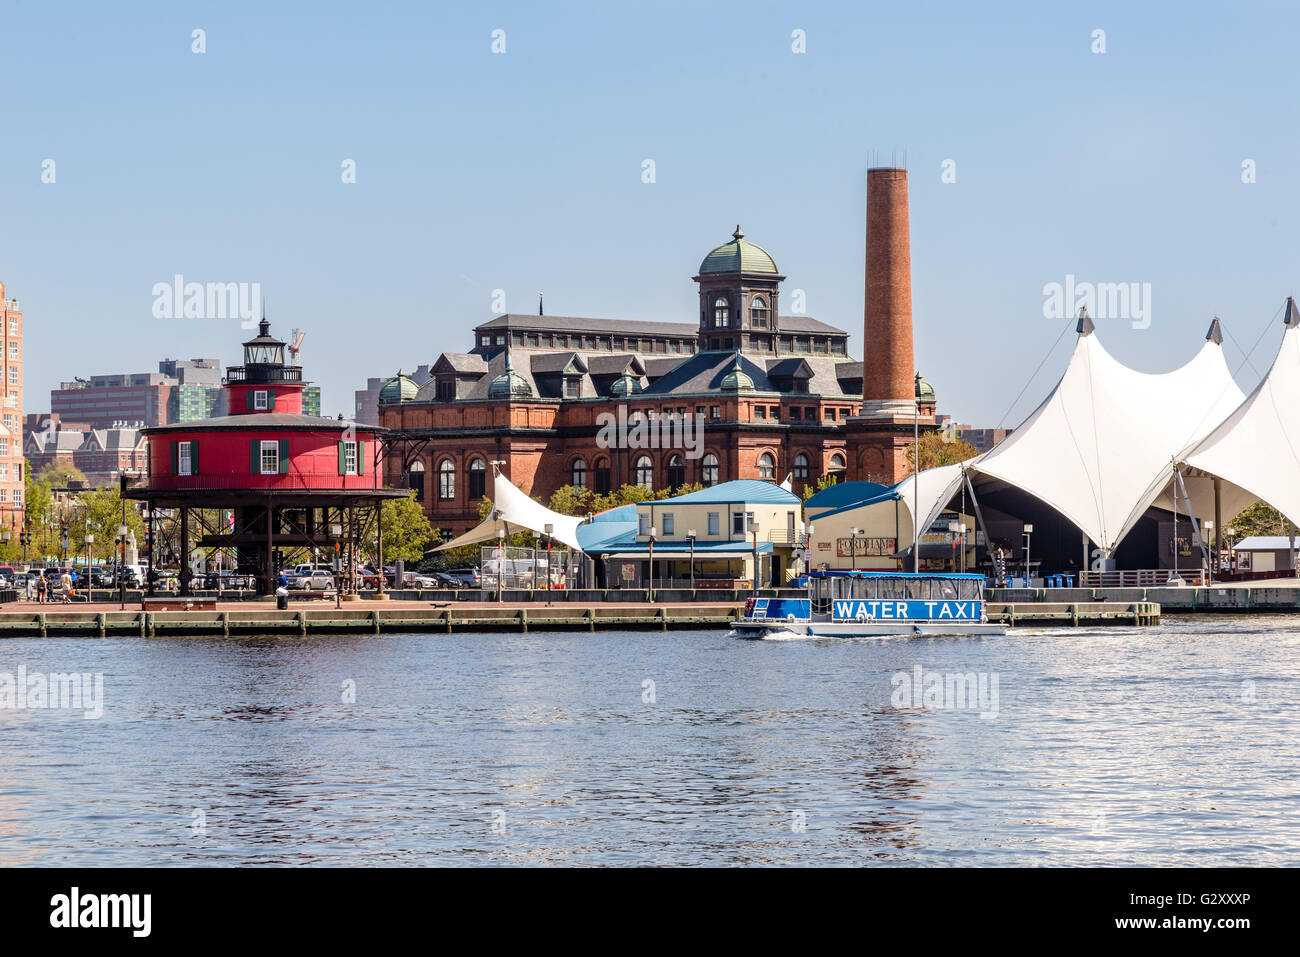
[(777, 395)]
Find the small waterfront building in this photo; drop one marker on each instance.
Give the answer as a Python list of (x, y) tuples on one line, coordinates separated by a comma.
[(720, 532), (1266, 553), (286, 479), (868, 526)]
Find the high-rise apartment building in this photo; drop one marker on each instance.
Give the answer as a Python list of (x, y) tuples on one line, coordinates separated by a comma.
[(11, 435)]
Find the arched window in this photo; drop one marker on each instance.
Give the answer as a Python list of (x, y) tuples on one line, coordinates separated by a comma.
[(446, 480), (477, 479), (837, 465), (416, 479), (720, 313), (758, 311), (676, 471), (709, 470), (766, 466), (801, 466), (578, 474), (601, 469), (644, 473)]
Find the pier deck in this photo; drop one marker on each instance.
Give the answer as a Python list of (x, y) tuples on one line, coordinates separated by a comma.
[(370, 617)]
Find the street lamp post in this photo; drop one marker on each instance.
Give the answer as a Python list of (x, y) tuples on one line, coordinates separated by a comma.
[(754, 531), (1232, 563), (501, 563), (690, 537), (549, 530), (952, 533), (1208, 526), (806, 544), (916, 478), (653, 532), (1029, 582), (90, 540), (854, 532), (121, 566)]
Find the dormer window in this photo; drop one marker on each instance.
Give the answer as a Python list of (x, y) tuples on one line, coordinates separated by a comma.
[(720, 313), (758, 311)]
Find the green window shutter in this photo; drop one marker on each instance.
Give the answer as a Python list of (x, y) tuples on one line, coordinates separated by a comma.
[(361, 457), (284, 456), (248, 400), (176, 459), (343, 459), (254, 456), (194, 457), (270, 401)]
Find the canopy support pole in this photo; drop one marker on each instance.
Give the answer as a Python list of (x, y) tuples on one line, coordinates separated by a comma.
[(1191, 516), (979, 517)]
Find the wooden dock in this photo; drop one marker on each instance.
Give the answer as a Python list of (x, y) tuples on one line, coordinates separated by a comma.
[(321, 618), (253, 620), (1075, 614)]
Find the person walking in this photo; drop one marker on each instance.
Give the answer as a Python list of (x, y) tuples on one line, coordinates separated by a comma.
[(41, 585), (65, 586)]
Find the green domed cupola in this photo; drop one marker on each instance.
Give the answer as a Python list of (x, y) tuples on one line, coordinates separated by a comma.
[(400, 388), (625, 385), (510, 384), (737, 380), (738, 256)]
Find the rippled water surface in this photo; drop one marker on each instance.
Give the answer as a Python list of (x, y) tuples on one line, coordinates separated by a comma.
[(1177, 744)]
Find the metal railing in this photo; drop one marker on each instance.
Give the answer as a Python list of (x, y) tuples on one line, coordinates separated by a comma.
[(1140, 578)]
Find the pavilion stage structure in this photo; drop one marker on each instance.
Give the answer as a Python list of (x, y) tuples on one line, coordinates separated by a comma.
[(265, 479)]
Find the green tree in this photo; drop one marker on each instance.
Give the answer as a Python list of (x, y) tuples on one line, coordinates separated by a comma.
[(937, 449), (407, 532), (826, 481), (62, 474), (99, 513), (1259, 519), (571, 500)]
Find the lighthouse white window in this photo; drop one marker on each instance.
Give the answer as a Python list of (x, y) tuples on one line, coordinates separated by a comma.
[(259, 399), (270, 457), (349, 458), (184, 459)]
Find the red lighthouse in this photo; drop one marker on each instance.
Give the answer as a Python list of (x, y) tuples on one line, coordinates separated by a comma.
[(290, 480)]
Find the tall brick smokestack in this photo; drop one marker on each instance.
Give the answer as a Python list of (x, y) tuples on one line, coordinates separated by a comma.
[(888, 387)]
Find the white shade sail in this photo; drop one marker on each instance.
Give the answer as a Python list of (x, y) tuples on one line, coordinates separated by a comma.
[(1257, 447), (1101, 446), (514, 512)]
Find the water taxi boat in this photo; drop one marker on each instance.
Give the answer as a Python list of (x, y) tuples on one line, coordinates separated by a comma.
[(849, 604)]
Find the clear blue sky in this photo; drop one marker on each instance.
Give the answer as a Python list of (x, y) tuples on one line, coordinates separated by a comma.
[(523, 171)]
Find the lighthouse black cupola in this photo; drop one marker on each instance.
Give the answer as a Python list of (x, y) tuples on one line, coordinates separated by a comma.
[(264, 383)]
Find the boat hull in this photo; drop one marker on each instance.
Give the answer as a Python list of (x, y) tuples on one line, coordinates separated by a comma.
[(767, 628)]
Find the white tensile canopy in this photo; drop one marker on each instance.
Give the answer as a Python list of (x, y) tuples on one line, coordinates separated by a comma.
[(514, 512), (1256, 449), (1100, 448)]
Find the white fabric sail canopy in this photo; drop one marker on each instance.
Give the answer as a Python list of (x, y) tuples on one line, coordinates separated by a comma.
[(1257, 447), (514, 512), (1102, 445)]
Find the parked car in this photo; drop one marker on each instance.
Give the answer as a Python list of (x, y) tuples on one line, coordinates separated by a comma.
[(226, 579), (319, 579), (464, 577), (8, 574)]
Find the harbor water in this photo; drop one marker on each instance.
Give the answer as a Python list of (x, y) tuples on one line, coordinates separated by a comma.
[(1176, 744)]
